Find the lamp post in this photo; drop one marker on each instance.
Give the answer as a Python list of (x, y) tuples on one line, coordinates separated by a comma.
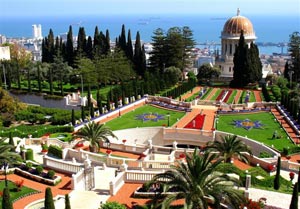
[(5, 164), (291, 76)]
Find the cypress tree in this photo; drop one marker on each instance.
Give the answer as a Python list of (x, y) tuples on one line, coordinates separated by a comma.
[(89, 48), (129, 49), (11, 142), (6, 202), (138, 57), (294, 200), (99, 102), (73, 117), (81, 43), (122, 39), (96, 45), (69, 51), (239, 62), (67, 202), (277, 176), (82, 113), (107, 42), (92, 111), (48, 203)]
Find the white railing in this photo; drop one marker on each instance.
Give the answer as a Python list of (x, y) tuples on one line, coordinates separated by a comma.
[(77, 181), (117, 183), (139, 176), (61, 165)]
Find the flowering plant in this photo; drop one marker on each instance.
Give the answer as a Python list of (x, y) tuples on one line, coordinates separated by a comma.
[(271, 167), (108, 151), (19, 184), (124, 141), (181, 156), (292, 175)]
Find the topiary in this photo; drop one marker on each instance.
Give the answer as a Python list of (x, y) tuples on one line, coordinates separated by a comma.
[(39, 170), (51, 174)]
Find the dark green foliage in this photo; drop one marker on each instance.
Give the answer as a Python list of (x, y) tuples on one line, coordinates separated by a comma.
[(82, 113), (277, 177), (69, 48), (39, 170), (138, 58), (55, 151), (6, 202), (129, 49), (247, 65), (171, 49), (51, 174), (29, 154), (49, 202), (73, 117), (67, 202), (294, 46), (294, 200), (112, 205)]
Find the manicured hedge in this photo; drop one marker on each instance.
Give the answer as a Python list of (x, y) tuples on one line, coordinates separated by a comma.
[(55, 151)]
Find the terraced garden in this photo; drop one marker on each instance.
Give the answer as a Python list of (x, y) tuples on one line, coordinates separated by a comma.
[(146, 116), (227, 95), (257, 126)]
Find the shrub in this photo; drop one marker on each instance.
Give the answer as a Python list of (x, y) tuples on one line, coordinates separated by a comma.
[(264, 155), (39, 170), (112, 205), (29, 154), (51, 174), (28, 166), (55, 151)]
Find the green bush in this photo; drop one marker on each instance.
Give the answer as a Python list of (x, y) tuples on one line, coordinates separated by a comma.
[(29, 154), (39, 169), (28, 165), (265, 155), (112, 205), (55, 151), (51, 174)]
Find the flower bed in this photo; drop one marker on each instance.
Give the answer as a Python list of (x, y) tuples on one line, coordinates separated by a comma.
[(227, 96), (197, 122), (42, 178)]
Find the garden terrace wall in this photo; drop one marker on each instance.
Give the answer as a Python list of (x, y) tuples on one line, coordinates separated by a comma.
[(256, 147), (62, 165), (111, 113)]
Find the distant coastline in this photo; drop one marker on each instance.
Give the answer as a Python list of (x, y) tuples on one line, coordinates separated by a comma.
[(206, 28)]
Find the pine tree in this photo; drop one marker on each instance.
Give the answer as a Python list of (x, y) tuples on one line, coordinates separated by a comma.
[(277, 176), (6, 202), (157, 56), (294, 50), (294, 200), (48, 203), (67, 202)]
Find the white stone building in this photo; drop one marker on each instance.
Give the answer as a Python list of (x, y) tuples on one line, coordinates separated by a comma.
[(230, 38)]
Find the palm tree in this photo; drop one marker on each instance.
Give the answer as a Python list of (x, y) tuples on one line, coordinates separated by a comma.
[(230, 146), (6, 153), (94, 133), (198, 184)]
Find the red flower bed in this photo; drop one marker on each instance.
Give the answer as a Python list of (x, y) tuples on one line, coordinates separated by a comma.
[(228, 95), (197, 122), (220, 95), (181, 156), (108, 151)]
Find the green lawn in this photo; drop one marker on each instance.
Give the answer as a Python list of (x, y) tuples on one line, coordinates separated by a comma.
[(263, 134), (129, 120), (14, 193)]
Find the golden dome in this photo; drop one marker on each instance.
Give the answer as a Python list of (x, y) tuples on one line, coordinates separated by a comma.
[(236, 24)]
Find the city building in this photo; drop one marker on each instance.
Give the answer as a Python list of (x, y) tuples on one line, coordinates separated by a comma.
[(37, 31), (229, 41)]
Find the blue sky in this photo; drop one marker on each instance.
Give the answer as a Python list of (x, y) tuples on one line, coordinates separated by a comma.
[(23, 8)]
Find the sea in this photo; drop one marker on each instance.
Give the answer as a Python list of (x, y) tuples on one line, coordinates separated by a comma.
[(273, 31)]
